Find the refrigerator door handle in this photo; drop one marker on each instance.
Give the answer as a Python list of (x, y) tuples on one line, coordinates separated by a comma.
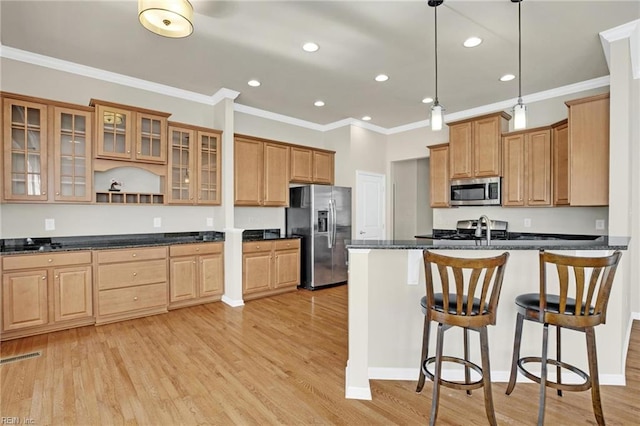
[(330, 225)]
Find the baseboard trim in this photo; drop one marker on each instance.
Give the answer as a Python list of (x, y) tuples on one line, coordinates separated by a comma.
[(234, 303)]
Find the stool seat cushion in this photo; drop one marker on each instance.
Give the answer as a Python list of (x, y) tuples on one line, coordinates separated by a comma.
[(439, 301), (532, 301)]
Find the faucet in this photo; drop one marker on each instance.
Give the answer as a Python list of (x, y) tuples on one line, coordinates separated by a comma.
[(478, 233)]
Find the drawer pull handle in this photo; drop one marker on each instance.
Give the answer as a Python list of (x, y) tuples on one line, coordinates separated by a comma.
[(135, 298), (49, 260), (134, 255)]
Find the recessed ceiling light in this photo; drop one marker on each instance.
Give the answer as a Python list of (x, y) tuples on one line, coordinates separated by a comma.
[(366, 118), (507, 77), (253, 83), (472, 42), (318, 103), (427, 100), (382, 77), (310, 47)]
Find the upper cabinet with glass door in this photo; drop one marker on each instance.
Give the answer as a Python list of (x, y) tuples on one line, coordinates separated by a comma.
[(25, 150), (130, 134)]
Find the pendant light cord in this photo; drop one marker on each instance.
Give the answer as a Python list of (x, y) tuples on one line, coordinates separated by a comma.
[(519, 54), (436, 49)]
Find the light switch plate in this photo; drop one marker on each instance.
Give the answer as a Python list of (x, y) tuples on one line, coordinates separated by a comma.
[(157, 222), (209, 221), (527, 223), (49, 224), (599, 224)]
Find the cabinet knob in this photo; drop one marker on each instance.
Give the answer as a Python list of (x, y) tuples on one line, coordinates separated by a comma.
[(194, 262), (44, 277), (57, 193), (128, 152), (57, 276), (44, 192), (49, 260), (197, 248), (135, 274), (134, 255), (135, 298)]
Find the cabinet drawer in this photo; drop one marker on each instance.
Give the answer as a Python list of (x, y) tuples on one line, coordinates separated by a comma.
[(131, 274), (129, 299), (257, 246), (195, 249), (288, 244), (45, 260), (126, 255)]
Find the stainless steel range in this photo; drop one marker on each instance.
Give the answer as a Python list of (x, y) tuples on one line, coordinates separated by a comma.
[(468, 230)]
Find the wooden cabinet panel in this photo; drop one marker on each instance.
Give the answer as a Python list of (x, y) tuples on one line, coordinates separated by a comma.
[(128, 300), (538, 168), (151, 138), (211, 275), (24, 299), (45, 260), (460, 150), (270, 267), (123, 274), (182, 174), (276, 175), (439, 175), (209, 170), (114, 131), (73, 296), (301, 165), (257, 272), (249, 174), (128, 255), (287, 268), (197, 274), (560, 143), (513, 181), (183, 276), (487, 153), (323, 167)]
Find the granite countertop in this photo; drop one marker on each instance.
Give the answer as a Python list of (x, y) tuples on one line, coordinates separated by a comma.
[(265, 234), (103, 242), (600, 243)]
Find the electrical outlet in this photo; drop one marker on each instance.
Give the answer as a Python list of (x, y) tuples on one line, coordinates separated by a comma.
[(210, 221), (49, 224), (157, 222), (599, 224), (527, 222)]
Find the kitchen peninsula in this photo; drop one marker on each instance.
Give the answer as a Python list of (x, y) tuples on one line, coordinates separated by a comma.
[(386, 282)]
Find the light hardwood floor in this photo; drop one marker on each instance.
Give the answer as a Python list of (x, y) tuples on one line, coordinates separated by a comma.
[(274, 361)]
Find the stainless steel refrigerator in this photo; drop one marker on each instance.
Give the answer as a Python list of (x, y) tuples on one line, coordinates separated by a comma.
[(321, 215)]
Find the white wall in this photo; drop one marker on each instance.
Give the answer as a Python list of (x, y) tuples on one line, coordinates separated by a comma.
[(411, 214)]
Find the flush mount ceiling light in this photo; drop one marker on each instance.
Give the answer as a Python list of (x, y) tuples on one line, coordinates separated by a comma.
[(519, 110), (507, 77), (310, 47), (319, 103), (366, 118), (253, 83), (472, 42), (382, 77), (436, 109), (427, 100), (168, 18)]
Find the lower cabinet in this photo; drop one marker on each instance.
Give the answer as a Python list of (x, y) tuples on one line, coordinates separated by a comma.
[(46, 292), (130, 283), (270, 267), (196, 274)]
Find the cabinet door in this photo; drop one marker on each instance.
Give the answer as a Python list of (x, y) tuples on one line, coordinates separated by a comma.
[(538, 168), (72, 138), (209, 161), (323, 167), (24, 299), (257, 272), (513, 181), (486, 147), (25, 150), (248, 170), (151, 138), (460, 139), (287, 268), (181, 165), (72, 298), (560, 142), (115, 132), (211, 275), (276, 175), (439, 175), (301, 165), (183, 278)]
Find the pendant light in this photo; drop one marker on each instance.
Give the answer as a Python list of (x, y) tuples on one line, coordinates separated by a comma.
[(168, 18), (519, 110), (437, 111)]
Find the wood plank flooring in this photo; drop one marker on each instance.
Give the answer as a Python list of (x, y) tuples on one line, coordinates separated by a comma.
[(276, 361)]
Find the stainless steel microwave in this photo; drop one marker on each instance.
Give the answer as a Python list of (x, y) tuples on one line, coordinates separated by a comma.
[(476, 192)]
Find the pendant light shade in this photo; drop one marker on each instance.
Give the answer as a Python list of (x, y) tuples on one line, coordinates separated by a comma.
[(437, 111), (519, 110), (168, 18)]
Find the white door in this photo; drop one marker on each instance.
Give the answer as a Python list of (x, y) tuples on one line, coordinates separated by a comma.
[(370, 196)]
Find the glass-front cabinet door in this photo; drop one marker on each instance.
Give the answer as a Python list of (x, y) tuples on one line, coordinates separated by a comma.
[(181, 162), (25, 150), (72, 137), (151, 138), (209, 167), (115, 129)]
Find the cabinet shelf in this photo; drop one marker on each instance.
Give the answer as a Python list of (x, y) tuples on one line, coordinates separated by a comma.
[(128, 198)]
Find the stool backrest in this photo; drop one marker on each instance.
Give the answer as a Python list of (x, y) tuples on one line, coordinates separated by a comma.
[(467, 291), (587, 280)]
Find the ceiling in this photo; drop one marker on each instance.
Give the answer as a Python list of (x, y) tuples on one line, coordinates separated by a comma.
[(235, 41)]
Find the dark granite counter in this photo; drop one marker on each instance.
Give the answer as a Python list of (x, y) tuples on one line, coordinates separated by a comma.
[(265, 234), (102, 242), (600, 243)]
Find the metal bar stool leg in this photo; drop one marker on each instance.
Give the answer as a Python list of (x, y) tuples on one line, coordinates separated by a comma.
[(486, 376), (435, 400), (467, 372), (543, 373), (516, 354), (425, 349), (593, 373)]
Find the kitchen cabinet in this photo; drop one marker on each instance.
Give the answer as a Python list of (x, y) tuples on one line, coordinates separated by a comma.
[(261, 172), (130, 283), (527, 168), (475, 146), (560, 142), (313, 166), (46, 292), (196, 273), (130, 134), (270, 267), (194, 165), (587, 151), (439, 175)]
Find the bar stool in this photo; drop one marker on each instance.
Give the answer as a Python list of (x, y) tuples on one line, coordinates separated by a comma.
[(580, 304), (467, 296)]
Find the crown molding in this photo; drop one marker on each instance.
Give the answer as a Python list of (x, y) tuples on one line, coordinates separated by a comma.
[(277, 117), (630, 30)]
